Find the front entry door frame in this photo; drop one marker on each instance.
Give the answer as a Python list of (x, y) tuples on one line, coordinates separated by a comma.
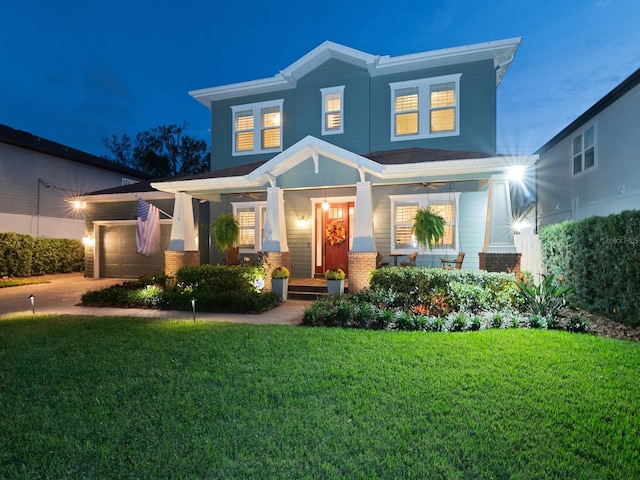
[(317, 262)]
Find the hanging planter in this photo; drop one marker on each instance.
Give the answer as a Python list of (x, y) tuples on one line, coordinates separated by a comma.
[(428, 228)]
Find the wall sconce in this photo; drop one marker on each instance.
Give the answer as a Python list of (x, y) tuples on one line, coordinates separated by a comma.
[(78, 205), (303, 222), (88, 241)]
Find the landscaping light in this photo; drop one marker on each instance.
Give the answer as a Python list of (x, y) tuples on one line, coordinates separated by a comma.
[(193, 307), (32, 298)]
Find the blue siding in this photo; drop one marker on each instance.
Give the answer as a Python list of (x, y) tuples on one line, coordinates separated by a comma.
[(477, 109), (334, 73)]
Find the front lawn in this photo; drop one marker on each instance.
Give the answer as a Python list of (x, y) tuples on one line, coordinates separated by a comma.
[(87, 397)]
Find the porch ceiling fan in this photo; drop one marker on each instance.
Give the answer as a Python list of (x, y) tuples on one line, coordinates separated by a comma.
[(429, 185), (254, 195)]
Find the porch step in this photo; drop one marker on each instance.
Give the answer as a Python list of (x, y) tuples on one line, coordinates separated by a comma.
[(298, 291)]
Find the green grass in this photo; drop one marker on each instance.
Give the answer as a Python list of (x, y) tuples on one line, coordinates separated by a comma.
[(17, 282), (87, 397)]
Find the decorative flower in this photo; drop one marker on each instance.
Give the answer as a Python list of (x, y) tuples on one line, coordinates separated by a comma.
[(259, 283), (280, 272), (334, 274), (336, 233)]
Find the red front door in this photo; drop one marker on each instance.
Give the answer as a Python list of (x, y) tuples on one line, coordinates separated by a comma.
[(333, 237)]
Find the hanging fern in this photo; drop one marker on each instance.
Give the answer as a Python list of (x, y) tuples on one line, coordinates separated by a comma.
[(428, 227)]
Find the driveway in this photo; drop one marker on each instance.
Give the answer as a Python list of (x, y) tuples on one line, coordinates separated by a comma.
[(61, 296)]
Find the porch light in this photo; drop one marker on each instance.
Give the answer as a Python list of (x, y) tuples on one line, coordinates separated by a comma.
[(516, 173), (303, 222), (325, 205), (87, 240), (78, 205)]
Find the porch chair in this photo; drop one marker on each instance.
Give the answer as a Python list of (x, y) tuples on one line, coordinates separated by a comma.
[(379, 262), (411, 262), (455, 264)]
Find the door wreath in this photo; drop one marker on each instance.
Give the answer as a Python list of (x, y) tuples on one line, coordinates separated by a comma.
[(335, 233)]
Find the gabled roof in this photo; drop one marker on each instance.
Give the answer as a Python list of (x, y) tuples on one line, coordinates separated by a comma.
[(501, 52), (28, 141), (629, 83), (396, 165)]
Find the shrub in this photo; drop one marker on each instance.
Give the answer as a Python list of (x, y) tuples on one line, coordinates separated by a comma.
[(600, 257), (25, 256)]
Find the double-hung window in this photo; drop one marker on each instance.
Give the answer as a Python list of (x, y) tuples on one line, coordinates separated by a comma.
[(584, 151), (425, 108), (332, 110), (257, 128), (403, 212), (251, 217)]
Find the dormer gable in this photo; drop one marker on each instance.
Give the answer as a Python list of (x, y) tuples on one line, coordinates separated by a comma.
[(501, 52)]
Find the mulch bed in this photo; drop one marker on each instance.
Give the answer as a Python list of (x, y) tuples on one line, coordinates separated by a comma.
[(608, 328)]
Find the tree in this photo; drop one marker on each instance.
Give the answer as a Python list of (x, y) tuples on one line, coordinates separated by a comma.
[(161, 152)]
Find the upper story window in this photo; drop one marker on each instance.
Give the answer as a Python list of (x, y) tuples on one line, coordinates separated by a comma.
[(424, 108), (584, 151), (251, 218), (403, 212), (257, 128), (332, 110)]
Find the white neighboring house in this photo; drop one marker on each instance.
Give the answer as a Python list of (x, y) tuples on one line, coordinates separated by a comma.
[(592, 167), (39, 179)]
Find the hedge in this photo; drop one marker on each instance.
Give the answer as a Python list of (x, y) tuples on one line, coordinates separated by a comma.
[(600, 258), (26, 256)]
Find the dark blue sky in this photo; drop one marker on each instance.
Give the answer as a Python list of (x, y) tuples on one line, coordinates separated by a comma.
[(77, 71)]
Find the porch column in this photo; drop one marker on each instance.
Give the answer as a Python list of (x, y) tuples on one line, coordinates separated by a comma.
[(363, 225), (499, 250), (275, 229), (183, 236), (362, 256), (182, 248)]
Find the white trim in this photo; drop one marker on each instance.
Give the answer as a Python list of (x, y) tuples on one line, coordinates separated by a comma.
[(423, 201), (258, 226), (256, 109), (580, 133), (324, 92), (500, 52), (424, 106)]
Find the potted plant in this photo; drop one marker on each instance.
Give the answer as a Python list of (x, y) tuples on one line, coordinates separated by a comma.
[(335, 281), (226, 231), (428, 227), (280, 282)]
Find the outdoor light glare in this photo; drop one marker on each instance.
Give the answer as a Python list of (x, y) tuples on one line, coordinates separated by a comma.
[(78, 205), (325, 205), (516, 173)]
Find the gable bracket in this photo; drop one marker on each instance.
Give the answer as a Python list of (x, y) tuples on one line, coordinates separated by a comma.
[(314, 156)]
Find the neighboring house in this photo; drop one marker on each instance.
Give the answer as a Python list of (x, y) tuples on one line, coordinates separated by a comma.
[(592, 167), (40, 179), (326, 163)]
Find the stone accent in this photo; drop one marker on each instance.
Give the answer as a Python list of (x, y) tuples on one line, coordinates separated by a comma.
[(272, 261), (500, 262), (174, 259), (360, 264)]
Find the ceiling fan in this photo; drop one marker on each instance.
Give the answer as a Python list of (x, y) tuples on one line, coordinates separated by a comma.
[(254, 195), (429, 185)]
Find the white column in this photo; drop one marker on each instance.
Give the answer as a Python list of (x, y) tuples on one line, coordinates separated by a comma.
[(363, 225), (498, 234), (183, 238), (275, 229)]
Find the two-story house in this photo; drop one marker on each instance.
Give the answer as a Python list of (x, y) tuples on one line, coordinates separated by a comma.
[(325, 164), (592, 167), (39, 180)]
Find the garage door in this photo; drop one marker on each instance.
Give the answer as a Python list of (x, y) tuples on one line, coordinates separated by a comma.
[(118, 256)]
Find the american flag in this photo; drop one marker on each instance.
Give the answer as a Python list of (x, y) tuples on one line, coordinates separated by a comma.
[(148, 229)]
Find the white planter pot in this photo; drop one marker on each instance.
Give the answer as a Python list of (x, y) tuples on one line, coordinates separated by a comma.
[(280, 286), (335, 287)]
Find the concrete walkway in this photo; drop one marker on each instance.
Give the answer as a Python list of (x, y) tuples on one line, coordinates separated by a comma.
[(61, 296)]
